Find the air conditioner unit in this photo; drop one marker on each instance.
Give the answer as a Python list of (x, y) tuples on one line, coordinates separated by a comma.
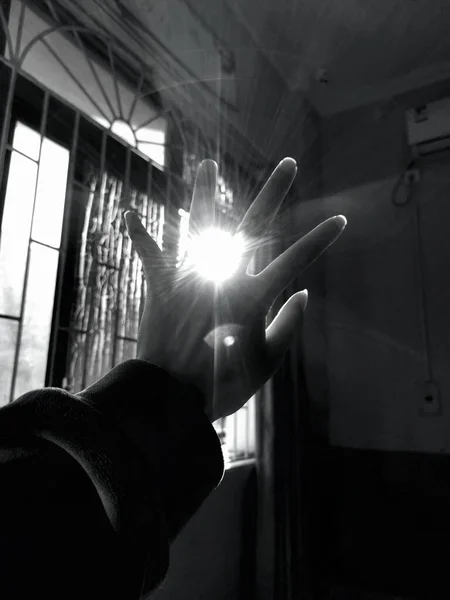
[(428, 128)]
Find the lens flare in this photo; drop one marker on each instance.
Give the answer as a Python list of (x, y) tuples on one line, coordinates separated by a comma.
[(215, 254), (229, 340)]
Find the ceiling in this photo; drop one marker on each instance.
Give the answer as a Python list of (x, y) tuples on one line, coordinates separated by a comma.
[(339, 52), (346, 52), (254, 54)]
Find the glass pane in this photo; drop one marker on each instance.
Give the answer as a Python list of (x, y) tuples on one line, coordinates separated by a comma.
[(8, 341), (155, 152), (240, 432), (37, 319), (51, 194), (28, 104), (5, 80), (60, 122), (125, 350), (75, 376), (15, 231), (27, 141), (154, 133), (145, 118), (124, 131)]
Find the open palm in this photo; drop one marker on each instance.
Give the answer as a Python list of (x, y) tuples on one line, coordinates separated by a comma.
[(211, 334)]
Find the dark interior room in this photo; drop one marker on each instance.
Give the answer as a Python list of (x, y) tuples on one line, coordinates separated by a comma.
[(335, 476)]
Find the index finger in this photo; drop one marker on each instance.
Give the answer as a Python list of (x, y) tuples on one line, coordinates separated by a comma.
[(265, 208)]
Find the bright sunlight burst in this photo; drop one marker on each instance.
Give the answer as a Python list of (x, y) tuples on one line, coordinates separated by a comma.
[(215, 254)]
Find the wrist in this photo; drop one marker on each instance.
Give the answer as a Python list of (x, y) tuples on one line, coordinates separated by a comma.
[(205, 401)]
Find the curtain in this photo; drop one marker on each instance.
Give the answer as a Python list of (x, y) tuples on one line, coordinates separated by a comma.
[(283, 473), (110, 286)]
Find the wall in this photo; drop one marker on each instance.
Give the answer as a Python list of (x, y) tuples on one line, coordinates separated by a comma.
[(217, 54), (213, 555), (299, 136), (266, 114), (385, 491), (376, 359), (288, 519), (305, 211)]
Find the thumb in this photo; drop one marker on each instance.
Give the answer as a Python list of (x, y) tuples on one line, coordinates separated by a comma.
[(281, 332)]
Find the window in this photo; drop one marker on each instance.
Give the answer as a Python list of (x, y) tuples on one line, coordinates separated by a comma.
[(79, 145), (72, 288), (29, 253)]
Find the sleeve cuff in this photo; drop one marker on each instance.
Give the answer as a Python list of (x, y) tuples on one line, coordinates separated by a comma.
[(163, 418), (127, 489)]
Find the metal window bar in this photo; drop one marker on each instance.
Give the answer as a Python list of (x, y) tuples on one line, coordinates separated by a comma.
[(25, 285)]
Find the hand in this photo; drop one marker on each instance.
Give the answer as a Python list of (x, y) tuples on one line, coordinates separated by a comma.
[(214, 335)]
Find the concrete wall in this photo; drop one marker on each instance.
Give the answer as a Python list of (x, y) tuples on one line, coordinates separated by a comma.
[(383, 488), (376, 357), (305, 211)]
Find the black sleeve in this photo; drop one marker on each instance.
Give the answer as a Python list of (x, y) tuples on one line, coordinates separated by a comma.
[(95, 486)]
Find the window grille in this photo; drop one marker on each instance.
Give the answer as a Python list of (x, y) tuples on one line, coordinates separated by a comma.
[(111, 288)]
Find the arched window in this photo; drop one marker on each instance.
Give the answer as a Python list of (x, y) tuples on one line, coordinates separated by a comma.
[(83, 68)]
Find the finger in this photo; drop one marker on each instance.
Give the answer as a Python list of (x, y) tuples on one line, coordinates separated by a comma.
[(202, 210), (153, 261), (285, 268), (264, 209), (281, 332)]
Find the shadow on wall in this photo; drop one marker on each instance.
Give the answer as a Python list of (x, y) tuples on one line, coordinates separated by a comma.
[(213, 557), (376, 355), (386, 490)]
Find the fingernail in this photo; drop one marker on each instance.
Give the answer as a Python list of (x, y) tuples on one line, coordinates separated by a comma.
[(209, 162), (303, 298), (288, 160), (342, 221), (133, 221)]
